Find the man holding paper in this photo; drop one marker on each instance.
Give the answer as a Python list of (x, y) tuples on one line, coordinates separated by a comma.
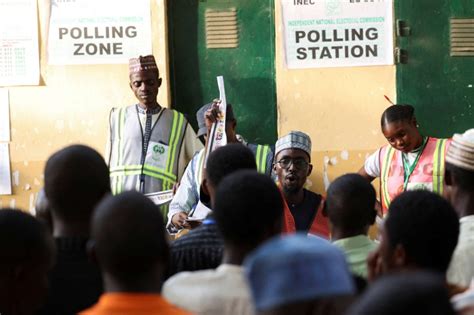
[(149, 145), (188, 195)]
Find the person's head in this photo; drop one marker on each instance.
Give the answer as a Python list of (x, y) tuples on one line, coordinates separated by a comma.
[(399, 126), (230, 123), (459, 175), (293, 161), (248, 209), (224, 161), (76, 178), (297, 274), (420, 232), (406, 293), (145, 80), (350, 204), (27, 254), (128, 241)]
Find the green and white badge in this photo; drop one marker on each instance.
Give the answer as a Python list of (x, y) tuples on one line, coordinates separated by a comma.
[(157, 154)]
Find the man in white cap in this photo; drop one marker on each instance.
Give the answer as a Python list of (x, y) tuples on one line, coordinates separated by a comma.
[(303, 208), (459, 179), (150, 146)]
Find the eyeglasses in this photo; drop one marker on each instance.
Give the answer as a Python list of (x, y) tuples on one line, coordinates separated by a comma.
[(299, 163)]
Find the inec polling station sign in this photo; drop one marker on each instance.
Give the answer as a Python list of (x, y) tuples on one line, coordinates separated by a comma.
[(337, 33), (98, 31)]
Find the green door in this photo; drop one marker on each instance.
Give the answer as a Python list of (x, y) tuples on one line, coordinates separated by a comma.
[(233, 38), (437, 75)]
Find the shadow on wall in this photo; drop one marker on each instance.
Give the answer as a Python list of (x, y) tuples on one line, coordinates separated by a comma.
[(184, 57), (255, 123)]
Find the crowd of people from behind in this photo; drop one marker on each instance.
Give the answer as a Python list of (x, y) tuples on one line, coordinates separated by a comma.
[(266, 246)]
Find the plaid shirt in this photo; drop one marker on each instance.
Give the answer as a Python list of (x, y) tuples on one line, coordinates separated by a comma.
[(200, 249)]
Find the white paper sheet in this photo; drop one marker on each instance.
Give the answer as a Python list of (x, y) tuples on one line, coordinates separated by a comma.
[(5, 173), (200, 212), (161, 198), (337, 33), (218, 137), (19, 52), (4, 116), (98, 31)]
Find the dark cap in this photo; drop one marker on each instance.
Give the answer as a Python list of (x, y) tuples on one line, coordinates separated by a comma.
[(202, 121)]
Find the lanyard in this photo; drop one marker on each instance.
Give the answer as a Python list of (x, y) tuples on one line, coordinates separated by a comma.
[(408, 169)]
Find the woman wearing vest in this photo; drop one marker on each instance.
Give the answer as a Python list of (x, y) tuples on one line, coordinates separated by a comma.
[(410, 161)]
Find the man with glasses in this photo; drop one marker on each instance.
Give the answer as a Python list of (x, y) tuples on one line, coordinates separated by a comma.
[(303, 209)]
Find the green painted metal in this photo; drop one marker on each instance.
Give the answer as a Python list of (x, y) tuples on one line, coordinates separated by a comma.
[(440, 87), (249, 70)]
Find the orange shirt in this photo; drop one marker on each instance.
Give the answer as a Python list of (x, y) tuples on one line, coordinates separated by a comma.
[(133, 304)]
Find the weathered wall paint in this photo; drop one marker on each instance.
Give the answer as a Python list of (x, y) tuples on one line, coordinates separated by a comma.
[(70, 106), (339, 108)]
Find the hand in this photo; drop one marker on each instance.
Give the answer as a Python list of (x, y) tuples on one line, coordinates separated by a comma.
[(212, 114), (374, 265), (194, 224), (179, 220)]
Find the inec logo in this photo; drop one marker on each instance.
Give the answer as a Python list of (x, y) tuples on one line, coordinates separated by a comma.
[(158, 150)]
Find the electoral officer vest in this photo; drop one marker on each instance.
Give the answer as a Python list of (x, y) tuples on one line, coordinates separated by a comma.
[(263, 157), (427, 175), (160, 167), (319, 227), (263, 154)]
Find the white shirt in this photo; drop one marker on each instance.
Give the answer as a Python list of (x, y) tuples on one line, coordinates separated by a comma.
[(461, 270), (372, 163), (218, 291), (187, 194)]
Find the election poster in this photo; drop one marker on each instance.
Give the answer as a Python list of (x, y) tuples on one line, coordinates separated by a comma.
[(98, 32), (337, 33), (19, 52)]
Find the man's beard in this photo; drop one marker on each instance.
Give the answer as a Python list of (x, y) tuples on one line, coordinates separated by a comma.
[(290, 190)]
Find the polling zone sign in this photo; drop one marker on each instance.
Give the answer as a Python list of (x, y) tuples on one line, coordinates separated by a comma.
[(98, 32), (337, 33)]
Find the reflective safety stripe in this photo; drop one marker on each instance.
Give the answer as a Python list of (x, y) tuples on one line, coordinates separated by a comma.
[(266, 148), (257, 156), (121, 124), (438, 166), (138, 172), (261, 158), (128, 169), (172, 137), (177, 125), (387, 161), (120, 121), (119, 171)]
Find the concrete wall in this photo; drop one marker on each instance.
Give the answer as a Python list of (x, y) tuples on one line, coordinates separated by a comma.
[(340, 108), (70, 106)]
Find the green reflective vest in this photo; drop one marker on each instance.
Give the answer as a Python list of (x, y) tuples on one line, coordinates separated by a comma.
[(160, 168)]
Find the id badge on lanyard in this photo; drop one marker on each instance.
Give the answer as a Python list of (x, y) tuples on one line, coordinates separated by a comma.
[(157, 154), (407, 168)]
